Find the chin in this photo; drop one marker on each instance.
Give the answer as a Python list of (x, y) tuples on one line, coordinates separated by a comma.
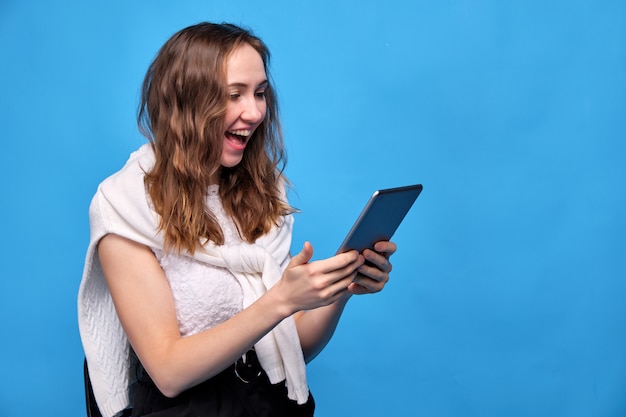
[(230, 162)]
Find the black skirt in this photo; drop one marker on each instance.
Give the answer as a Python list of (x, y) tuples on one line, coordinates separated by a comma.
[(242, 390)]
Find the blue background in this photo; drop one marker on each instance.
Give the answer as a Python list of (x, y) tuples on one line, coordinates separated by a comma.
[(507, 296)]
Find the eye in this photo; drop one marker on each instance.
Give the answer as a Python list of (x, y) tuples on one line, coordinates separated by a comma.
[(234, 96), (260, 94)]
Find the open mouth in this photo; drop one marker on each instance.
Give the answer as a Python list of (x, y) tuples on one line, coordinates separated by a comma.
[(238, 136)]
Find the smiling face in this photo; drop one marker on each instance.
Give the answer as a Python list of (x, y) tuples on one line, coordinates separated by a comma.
[(246, 83)]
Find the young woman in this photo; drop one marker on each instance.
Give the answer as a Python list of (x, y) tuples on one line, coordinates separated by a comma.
[(190, 302)]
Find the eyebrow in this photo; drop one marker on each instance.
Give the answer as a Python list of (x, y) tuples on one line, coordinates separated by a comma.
[(244, 85)]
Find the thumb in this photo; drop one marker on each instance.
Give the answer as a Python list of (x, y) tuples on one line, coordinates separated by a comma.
[(304, 256)]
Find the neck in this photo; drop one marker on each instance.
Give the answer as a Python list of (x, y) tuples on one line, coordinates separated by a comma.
[(215, 177)]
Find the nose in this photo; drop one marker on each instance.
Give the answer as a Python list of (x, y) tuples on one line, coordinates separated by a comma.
[(253, 111)]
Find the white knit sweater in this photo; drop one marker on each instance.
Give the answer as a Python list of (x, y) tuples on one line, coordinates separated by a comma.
[(121, 206)]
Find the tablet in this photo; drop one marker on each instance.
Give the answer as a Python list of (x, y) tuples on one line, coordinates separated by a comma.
[(380, 217)]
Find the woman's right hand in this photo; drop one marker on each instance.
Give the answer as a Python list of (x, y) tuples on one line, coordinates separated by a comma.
[(308, 285)]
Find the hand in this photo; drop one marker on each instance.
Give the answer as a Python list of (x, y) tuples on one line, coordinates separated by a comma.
[(308, 285), (374, 274)]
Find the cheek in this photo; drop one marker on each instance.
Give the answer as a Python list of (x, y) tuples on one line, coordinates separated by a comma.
[(263, 110), (229, 116)]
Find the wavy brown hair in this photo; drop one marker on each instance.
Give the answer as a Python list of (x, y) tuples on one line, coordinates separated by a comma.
[(182, 110)]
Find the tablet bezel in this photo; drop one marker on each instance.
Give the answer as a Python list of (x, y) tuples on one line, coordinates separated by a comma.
[(380, 218)]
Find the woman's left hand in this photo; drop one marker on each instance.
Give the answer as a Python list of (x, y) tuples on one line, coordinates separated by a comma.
[(374, 274)]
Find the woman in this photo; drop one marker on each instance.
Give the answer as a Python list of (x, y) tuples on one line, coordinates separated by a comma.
[(189, 294)]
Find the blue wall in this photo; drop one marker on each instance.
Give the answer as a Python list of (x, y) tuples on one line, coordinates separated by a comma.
[(507, 296)]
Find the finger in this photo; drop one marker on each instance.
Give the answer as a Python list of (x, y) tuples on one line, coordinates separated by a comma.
[(376, 259), (372, 273), (337, 263), (364, 285), (304, 256), (339, 288), (386, 248), (357, 289), (372, 278), (338, 280)]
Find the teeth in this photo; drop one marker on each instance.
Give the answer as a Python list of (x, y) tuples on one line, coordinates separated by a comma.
[(240, 132)]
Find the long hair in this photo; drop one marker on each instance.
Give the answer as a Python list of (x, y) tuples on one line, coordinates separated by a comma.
[(183, 104)]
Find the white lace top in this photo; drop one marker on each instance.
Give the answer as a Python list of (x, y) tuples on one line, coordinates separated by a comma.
[(204, 295)]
